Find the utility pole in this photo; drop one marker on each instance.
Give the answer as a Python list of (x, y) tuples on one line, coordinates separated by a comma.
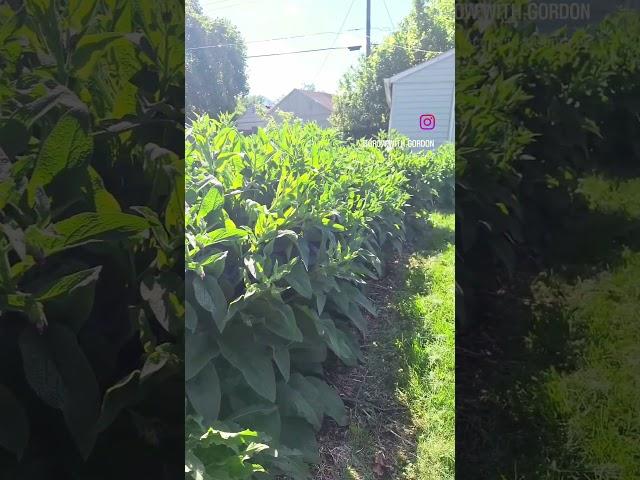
[(368, 44)]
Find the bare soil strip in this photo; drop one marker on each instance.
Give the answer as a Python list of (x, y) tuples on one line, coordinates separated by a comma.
[(380, 438)]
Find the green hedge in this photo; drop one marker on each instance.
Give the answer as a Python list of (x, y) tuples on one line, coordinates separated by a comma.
[(284, 227), (535, 113), (91, 222)]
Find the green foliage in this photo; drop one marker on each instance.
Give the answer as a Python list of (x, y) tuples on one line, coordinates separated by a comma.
[(283, 229), (219, 455), (530, 123), (431, 177), (216, 76), (360, 107), (91, 215), (542, 120), (612, 197)]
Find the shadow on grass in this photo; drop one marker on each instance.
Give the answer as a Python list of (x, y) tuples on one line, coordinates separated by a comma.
[(525, 380)]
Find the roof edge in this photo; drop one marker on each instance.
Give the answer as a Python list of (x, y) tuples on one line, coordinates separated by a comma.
[(274, 107), (420, 66)]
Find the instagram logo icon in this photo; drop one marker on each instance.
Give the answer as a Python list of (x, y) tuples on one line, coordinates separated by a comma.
[(427, 121)]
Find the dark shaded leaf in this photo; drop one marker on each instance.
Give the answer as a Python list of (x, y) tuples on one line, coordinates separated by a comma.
[(14, 434)]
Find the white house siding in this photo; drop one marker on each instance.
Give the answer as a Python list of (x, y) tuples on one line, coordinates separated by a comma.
[(427, 90)]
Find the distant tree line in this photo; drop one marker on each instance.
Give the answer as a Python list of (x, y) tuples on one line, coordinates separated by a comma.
[(215, 75), (216, 80)]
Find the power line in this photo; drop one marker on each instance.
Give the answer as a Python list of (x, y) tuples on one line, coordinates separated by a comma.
[(274, 39), (230, 5), (351, 48), (302, 35), (393, 26), (324, 60), (216, 3)]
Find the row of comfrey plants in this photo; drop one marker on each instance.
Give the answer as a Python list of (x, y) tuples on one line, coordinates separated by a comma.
[(284, 229)]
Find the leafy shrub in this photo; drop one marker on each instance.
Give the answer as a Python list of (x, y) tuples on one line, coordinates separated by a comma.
[(284, 227), (215, 77), (91, 197), (535, 113), (210, 451), (431, 178)]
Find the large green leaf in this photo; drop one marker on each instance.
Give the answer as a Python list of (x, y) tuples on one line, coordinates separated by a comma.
[(40, 369), (190, 317), (253, 360), (67, 284), (282, 358), (279, 318), (356, 295), (103, 200), (298, 434), (336, 339), (298, 278), (67, 146), (125, 393), (71, 298), (83, 228), (332, 403), (200, 349), (211, 297), (203, 391), (222, 234), (80, 12), (262, 417), (158, 292), (91, 47), (210, 203), (60, 373), (293, 402)]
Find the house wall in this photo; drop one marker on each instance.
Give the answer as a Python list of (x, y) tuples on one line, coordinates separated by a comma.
[(427, 91), (305, 108), (249, 122)]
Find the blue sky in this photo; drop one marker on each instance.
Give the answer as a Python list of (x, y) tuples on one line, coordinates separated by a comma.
[(275, 76)]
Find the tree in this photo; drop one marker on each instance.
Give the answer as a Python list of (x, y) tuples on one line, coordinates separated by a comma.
[(216, 75), (361, 108)]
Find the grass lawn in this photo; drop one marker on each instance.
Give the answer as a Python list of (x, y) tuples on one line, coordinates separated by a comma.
[(427, 351), (402, 408), (594, 400)]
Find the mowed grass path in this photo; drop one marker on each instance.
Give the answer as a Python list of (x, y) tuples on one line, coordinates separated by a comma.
[(427, 349), (596, 401), (403, 425)]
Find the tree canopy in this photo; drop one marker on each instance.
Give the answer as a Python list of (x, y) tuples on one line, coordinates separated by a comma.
[(216, 75), (361, 108)]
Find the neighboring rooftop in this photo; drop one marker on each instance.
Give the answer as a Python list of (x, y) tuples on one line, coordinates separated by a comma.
[(323, 98)]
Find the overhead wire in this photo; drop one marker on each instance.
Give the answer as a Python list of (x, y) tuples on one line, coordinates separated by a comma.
[(324, 60), (391, 22), (291, 37), (352, 48)]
